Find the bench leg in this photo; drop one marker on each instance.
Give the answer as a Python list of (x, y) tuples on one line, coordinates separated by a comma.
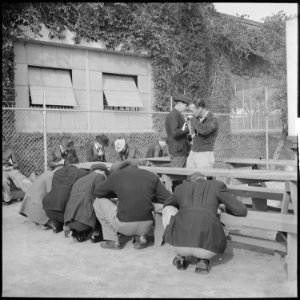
[(168, 182), (159, 230), (291, 258), (286, 198), (294, 195), (259, 204)]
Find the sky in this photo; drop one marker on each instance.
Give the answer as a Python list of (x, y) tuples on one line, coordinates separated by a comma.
[(256, 10)]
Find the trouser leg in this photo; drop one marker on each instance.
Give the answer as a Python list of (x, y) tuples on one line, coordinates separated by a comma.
[(193, 251), (106, 212), (20, 180), (55, 215), (78, 226), (6, 195)]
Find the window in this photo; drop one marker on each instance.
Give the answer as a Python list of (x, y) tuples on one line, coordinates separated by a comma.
[(57, 85), (120, 93)]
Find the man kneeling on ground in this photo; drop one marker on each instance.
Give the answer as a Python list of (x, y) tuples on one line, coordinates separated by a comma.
[(79, 215), (132, 217), (190, 220), (55, 202)]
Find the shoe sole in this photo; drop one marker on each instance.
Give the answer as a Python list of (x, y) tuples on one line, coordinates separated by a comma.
[(202, 270), (108, 247)]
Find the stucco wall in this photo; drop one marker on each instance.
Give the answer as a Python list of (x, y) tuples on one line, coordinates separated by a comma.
[(87, 67)]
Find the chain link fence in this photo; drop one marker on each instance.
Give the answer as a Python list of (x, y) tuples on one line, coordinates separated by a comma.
[(24, 130)]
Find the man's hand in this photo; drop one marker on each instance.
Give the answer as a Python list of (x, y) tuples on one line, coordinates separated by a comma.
[(4, 168), (100, 152), (61, 162)]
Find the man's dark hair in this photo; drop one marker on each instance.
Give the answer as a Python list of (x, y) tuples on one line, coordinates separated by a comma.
[(199, 103), (71, 160)]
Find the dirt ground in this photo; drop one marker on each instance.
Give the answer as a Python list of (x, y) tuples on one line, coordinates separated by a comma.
[(39, 263)]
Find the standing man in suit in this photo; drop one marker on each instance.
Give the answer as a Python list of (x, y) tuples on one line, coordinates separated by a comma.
[(205, 127), (177, 131), (96, 151)]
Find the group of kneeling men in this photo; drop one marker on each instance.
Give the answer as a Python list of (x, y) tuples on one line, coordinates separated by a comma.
[(112, 207)]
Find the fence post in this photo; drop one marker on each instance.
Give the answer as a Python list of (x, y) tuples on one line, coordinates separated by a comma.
[(45, 130), (267, 127), (171, 103)]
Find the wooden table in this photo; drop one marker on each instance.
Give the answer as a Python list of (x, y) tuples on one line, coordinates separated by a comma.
[(258, 203), (289, 177), (163, 161), (257, 163), (244, 175)]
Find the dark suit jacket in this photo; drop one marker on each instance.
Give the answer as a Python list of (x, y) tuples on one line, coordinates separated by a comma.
[(130, 152), (91, 154), (80, 204), (177, 138), (55, 155), (196, 223), (62, 182)]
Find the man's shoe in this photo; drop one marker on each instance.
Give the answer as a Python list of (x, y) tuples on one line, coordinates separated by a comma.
[(82, 236), (96, 238), (140, 242), (111, 245), (5, 203), (123, 239), (202, 266), (55, 225), (180, 262)]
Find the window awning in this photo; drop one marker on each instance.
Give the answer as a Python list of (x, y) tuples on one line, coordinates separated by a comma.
[(56, 84), (121, 91)]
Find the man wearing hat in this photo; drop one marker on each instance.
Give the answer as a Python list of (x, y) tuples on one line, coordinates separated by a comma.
[(125, 151), (177, 131), (95, 151), (79, 214), (59, 152), (158, 149), (54, 202)]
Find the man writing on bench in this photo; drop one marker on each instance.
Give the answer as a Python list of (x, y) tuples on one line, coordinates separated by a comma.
[(190, 220)]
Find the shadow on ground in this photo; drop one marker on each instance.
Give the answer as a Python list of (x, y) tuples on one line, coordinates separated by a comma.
[(38, 263)]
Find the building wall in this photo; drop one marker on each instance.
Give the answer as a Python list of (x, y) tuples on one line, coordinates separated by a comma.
[(86, 66)]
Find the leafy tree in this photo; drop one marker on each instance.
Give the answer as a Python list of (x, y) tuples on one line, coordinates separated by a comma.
[(193, 49)]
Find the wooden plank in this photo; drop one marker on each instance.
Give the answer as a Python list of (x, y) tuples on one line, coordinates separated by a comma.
[(269, 175), (253, 161), (157, 159), (254, 241), (262, 175), (259, 192), (294, 195), (291, 258), (264, 220)]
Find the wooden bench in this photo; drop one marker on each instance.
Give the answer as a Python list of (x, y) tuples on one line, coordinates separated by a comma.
[(260, 195), (254, 219), (267, 221)]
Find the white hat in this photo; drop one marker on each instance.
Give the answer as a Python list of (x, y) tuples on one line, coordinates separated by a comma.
[(120, 145)]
